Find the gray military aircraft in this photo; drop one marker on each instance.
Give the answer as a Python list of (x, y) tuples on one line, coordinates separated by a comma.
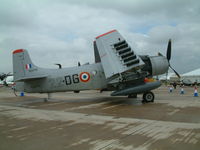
[(117, 68)]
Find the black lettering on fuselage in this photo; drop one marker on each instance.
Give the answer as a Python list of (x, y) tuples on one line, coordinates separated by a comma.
[(70, 78), (75, 78)]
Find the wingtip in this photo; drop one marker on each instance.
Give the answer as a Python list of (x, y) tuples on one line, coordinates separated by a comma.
[(18, 51)]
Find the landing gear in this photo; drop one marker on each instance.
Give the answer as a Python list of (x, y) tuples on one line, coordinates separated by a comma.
[(49, 97), (148, 97)]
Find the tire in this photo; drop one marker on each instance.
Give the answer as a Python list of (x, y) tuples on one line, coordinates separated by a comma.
[(148, 97)]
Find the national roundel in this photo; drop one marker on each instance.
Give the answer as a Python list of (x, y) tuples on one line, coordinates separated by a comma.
[(84, 76)]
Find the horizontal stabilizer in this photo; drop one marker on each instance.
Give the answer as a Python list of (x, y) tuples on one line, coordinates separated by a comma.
[(31, 78)]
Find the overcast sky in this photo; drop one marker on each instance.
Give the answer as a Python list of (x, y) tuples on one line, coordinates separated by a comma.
[(62, 31)]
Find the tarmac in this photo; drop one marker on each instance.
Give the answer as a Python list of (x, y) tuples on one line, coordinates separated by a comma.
[(91, 120)]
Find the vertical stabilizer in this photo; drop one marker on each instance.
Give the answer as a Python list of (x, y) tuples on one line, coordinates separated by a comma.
[(23, 68)]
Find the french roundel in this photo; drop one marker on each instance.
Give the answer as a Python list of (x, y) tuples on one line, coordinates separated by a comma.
[(84, 76)]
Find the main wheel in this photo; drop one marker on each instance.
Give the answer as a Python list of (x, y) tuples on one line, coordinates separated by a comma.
[(148, 97)]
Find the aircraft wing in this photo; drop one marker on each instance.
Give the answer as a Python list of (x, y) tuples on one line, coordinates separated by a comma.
[(116, 54)]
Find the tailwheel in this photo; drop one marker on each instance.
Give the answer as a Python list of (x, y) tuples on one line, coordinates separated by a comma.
[(148, 97)]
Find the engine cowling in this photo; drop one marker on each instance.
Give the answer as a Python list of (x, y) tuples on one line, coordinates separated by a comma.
[(155, 65), (159, 65)]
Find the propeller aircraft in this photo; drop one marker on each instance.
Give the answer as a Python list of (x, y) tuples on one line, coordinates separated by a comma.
[(117, 68)]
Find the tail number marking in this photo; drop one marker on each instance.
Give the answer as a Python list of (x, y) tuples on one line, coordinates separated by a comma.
[(69, 79), (75, 78)]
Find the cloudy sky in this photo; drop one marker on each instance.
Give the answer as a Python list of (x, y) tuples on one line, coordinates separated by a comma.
[(62, 31)]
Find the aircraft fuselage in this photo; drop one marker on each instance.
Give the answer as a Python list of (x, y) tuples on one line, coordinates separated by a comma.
[(85, 77)]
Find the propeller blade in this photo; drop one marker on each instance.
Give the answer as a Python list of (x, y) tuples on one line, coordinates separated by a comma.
[(169, 49), (175, 71)]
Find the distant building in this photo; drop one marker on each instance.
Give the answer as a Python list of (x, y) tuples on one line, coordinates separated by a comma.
[(191, 77)]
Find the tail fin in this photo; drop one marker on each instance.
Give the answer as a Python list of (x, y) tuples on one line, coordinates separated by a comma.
[(23, 68)]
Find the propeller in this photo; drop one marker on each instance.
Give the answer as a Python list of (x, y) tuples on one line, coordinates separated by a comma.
[(168, 56)]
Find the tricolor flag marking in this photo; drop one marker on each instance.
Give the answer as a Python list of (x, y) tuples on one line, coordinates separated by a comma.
[(28, 66)]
